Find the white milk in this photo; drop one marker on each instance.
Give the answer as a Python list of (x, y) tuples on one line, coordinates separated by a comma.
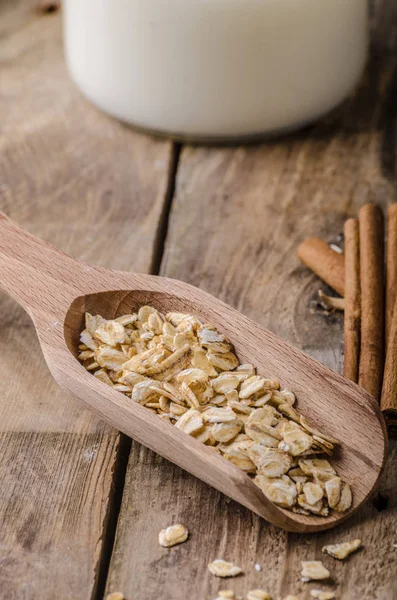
[(216, 68)]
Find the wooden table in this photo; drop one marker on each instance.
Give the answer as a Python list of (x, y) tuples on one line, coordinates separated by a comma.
[(80, 505)]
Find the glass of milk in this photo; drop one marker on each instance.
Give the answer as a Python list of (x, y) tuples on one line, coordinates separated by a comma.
[(216, 70)]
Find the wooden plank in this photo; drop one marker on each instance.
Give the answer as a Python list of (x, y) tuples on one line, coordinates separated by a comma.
[(97, 190), (237, 219)]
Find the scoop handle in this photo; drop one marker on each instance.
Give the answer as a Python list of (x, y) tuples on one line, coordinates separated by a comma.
[(37, 275)]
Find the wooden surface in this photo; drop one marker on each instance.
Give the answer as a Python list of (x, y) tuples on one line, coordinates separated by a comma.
[(89, 185)]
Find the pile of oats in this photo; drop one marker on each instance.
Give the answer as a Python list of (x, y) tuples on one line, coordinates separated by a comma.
[(188, 373)]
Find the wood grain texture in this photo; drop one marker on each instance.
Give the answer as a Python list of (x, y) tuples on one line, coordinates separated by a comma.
[(97, 190), (54, 503), (237, 219)]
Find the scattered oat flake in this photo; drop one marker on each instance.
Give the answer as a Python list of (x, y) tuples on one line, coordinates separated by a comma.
[(222, 568), (228, 594), (313, 570), (173, 535), (258, 595), (322, 595), (115, 596), (257, 567), (342, 551)]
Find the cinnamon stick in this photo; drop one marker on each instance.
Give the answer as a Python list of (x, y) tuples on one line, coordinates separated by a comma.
[(325, 262), (388, 402), (372, 299), (391, 267), (352, 324)]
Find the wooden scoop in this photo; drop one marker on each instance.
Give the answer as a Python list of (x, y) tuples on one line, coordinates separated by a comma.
[(57, 290)]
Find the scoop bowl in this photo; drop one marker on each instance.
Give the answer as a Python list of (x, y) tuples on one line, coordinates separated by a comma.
[(56, 291)]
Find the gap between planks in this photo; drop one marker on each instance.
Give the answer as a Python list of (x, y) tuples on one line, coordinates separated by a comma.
[(125, 443), (162, 229)]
